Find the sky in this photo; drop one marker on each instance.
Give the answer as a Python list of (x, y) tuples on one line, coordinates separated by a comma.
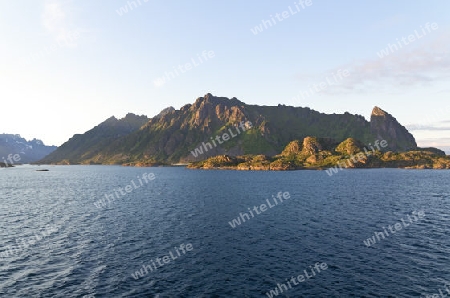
[(66, 66)]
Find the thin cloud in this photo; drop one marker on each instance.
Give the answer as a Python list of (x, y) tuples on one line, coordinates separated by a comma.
[(429, 121), (441, 143), (422, 65), (56, 21), (430, 126), (414, 127)]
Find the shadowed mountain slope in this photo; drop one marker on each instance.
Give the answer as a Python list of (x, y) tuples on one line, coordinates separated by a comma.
[(173, 135)]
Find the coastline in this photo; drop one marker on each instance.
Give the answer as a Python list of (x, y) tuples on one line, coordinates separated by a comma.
[(235, 168)]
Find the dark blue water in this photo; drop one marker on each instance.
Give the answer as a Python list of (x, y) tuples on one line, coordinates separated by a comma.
[(85, 251)]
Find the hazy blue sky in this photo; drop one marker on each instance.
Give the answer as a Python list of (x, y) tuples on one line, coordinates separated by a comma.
[(68, 65)]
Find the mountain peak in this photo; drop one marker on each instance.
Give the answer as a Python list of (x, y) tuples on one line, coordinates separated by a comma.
[(207, 98), (110, 120), (215, 100), (165, 112), (378, 112), (384, 126)]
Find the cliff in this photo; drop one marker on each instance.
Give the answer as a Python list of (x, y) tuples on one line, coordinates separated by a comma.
[(385, 127)]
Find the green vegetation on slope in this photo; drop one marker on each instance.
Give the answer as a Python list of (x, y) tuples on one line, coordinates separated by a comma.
[(170, 137)]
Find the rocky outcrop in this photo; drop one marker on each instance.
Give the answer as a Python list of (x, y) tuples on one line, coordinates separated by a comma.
[(385, 127), (311, 146), (349, 147), (293, 147), (347, 155)]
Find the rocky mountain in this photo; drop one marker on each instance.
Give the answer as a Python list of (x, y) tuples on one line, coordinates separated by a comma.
[(385, 127), (83, 147), (27, 151), (220, 126), (165, 112)]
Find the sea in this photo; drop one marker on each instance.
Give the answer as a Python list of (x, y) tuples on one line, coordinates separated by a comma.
[(112, 231)]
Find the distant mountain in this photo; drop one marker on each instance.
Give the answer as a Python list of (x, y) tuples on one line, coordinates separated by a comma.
[(28, 151), (174, 135)]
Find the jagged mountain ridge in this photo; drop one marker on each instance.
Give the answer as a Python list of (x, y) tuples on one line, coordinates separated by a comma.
[(29, 151), (173, 134), (88, 145)]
